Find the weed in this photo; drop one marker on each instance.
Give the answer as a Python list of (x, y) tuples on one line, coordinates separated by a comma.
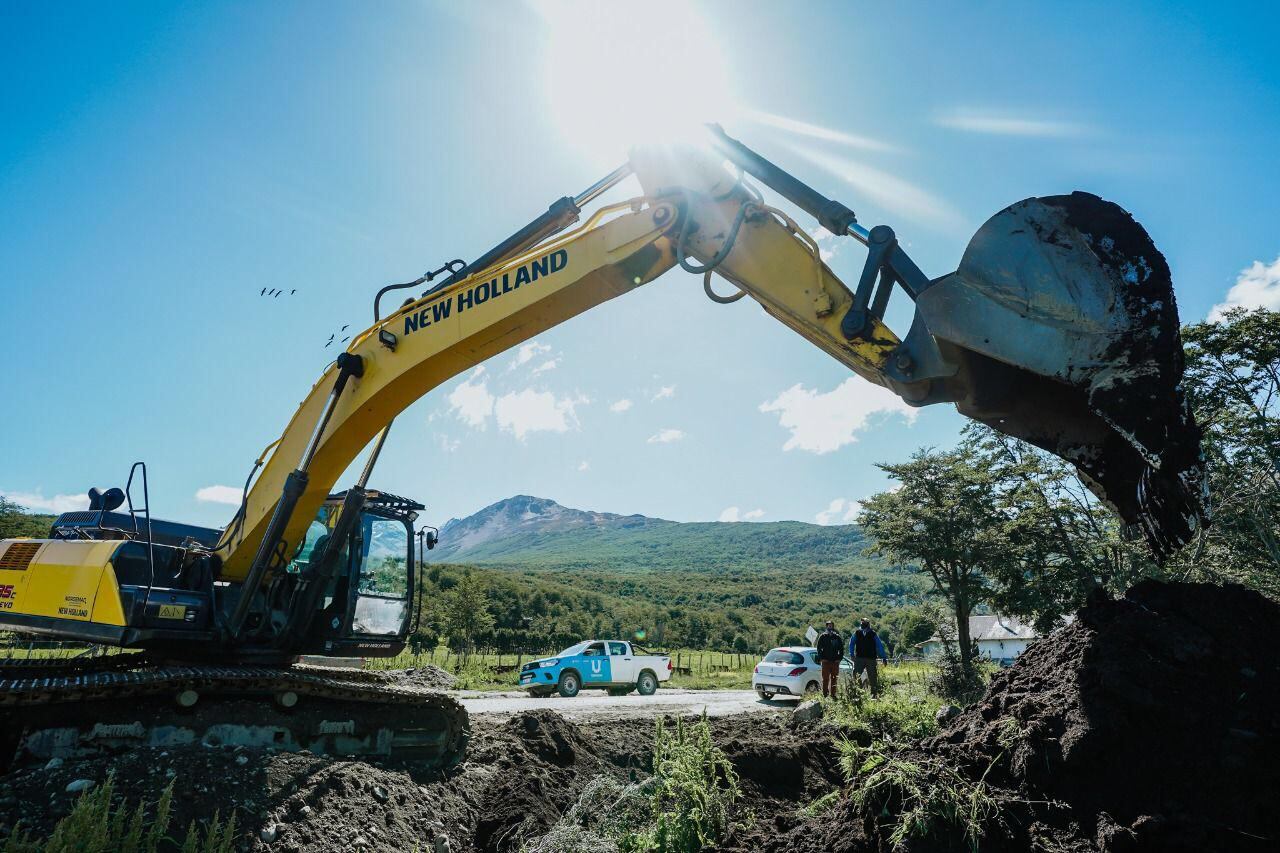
[(822, 804), (924, 795), (96, 826), (694, 785)]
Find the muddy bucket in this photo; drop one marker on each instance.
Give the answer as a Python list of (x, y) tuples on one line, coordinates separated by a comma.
[(1063, 321)]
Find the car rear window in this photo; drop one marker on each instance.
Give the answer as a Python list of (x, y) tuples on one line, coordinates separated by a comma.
[(783, 656)]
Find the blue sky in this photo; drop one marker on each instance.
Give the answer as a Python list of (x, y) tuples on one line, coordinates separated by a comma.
[(160, 164)]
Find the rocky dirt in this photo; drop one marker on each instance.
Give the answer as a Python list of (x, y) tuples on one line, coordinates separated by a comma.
[(1151, 723), (522, 773)]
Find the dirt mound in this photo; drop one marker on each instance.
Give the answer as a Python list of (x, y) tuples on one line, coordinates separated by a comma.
[(1150, 723), (426, 677)]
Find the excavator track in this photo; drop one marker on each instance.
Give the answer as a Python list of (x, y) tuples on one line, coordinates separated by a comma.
[(75, 708)]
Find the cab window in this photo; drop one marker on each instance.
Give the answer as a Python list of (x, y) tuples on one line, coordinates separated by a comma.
[(594, 649), (618, 649), (382, 605)]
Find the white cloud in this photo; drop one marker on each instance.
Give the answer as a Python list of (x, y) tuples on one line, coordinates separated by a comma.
[(584, 465), (828, 243), (734, 514), (220, 495), (666, 436), (817, 131), (529, 411), (821, 423), (887, 190), (1006, 124), (663, 393), (549, 364), (448, 445), (471, 400), (1255, 287), (620, 406), (37, 502), (839, 511), (527, 353)]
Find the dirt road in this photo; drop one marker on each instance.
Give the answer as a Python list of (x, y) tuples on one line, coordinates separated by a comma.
[(596, 704)]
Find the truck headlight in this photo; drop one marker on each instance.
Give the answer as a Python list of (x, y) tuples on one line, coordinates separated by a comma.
[(546, 663)]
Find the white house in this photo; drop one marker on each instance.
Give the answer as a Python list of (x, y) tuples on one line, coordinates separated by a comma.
[(1000, 638)]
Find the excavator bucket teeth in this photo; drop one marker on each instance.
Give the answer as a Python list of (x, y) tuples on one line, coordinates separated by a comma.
[(1063, 321)]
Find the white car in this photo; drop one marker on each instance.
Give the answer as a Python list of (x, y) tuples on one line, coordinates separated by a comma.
[(791, 671)]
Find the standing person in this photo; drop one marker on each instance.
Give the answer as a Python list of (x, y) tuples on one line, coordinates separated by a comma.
[(864, 648), (830, 653)]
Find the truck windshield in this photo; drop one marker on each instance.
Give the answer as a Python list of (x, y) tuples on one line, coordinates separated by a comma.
[(576, 649)]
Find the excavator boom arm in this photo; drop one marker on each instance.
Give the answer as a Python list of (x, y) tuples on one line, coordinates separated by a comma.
[(706, 218)]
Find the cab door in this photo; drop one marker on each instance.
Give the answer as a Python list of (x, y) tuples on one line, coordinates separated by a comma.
[(622, 663), (383, 579)]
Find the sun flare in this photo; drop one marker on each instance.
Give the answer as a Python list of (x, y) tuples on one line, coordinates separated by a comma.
[(622, 74)]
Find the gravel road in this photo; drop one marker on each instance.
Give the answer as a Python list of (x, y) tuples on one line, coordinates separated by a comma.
[(596, 704)]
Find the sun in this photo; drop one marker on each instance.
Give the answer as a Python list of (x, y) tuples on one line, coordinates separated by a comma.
[(628, 73)]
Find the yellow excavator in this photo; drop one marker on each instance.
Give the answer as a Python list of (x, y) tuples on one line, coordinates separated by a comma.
[(1058, 327)]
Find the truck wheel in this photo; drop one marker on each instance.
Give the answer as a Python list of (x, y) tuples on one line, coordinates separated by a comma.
[(569, 685), (647, 684)]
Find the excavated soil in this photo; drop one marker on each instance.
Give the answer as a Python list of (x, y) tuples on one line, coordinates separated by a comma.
[(1151, 723), (521, 774)]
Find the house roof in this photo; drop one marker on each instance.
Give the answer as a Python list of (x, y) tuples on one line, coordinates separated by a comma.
[(996, 627)]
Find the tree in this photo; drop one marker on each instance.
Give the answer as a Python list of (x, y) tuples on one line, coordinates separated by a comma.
[(1233, 385), (17, 522), (948, 518), (464, 612), (1063, 542)]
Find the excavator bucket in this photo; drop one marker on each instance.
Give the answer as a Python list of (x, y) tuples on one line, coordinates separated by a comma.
[(1062, 319)]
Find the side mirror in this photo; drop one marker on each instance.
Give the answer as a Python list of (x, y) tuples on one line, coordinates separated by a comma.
[(428, 538)]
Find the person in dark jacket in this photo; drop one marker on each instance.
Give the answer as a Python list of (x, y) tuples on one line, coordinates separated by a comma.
[(830, 653), (864, 648)]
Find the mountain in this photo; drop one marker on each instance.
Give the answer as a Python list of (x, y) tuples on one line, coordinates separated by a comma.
[(555, 575), (525, 531)]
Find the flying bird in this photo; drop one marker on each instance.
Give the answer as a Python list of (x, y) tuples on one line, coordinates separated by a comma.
[(347, 338), (264, 292), (344, 328), (278, 292), (326, 346), (291, 292)]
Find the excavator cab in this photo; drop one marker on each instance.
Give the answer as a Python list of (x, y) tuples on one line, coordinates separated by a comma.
[(366, 576)]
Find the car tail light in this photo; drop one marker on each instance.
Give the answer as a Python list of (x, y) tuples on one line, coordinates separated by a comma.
[(757, 669), (670, 668), (800, 670)]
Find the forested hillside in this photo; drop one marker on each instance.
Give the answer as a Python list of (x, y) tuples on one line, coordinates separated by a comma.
[(553, 575)]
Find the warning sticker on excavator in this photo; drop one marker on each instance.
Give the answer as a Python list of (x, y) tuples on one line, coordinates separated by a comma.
[(173, 611)]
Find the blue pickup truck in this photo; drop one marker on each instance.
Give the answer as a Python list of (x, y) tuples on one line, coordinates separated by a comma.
[(614, 665)]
